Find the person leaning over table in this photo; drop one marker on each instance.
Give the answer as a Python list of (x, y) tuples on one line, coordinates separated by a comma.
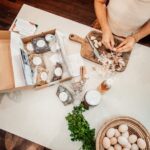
[(125, 18)]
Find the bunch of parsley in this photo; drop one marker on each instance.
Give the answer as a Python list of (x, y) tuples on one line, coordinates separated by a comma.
[(80, 129)]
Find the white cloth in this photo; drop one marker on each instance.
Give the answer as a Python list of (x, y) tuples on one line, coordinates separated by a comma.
[(125, 17)]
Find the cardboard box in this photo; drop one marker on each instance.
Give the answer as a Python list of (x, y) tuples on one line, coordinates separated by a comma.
[(6, 70), (12, 75)]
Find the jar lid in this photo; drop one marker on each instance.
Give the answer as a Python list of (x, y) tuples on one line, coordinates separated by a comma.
[(93, 97), (49, 37), (37, 60), (63, 96)]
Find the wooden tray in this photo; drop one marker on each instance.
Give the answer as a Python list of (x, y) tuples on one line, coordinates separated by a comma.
[(87, 51), (135, 127)]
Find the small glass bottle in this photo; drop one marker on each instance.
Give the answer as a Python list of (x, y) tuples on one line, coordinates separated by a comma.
[(105, 85)]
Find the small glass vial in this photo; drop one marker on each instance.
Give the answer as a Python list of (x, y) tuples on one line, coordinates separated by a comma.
[(105, 85)]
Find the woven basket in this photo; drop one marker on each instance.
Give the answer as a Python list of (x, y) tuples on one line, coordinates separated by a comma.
[(135, 127)]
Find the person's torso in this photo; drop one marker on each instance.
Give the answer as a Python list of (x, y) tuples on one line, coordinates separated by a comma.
[(127, 16)]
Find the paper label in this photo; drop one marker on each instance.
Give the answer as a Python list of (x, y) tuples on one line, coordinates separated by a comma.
[(24, 28)]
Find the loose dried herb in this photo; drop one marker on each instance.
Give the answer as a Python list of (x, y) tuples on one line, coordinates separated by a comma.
[(80, 129)]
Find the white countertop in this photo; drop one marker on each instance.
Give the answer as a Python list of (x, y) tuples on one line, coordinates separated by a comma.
[(40, 117)]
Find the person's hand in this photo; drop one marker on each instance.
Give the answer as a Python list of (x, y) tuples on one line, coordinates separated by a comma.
[(126, 45), (108, 40)]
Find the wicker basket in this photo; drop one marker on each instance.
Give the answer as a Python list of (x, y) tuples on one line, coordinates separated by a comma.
[(135, 127)]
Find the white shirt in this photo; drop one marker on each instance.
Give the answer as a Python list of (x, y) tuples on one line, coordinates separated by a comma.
[(125, 17)]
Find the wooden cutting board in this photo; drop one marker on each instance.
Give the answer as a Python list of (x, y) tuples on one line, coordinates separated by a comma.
[(87, 50)]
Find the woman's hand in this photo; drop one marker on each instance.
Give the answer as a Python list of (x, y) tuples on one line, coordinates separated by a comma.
[(126, 45), (108, 39)]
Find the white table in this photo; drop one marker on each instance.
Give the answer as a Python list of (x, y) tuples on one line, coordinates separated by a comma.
[(40, 117)]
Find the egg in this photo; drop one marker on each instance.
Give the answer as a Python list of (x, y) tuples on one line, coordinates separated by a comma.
[(128, 146), (141, 143), (122, 141), (117, 133), (125, 134), (106, 142), (134, 147), (110, 133), (125, 148), (111, 148), (117, 147), (132, 138), (123, 128), (113, 141)]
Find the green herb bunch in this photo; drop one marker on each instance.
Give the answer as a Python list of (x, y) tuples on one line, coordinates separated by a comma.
[(80, 129)]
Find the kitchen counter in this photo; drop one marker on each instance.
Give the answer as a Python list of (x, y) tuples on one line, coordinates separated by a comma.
[(39, 116)]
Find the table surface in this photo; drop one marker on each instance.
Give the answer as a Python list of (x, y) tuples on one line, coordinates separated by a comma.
[(40, 117)]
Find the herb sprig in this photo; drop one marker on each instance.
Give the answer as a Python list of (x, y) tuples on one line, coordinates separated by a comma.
[(80, 129)]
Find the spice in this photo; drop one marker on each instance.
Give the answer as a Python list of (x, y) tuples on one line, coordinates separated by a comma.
[(64, 95), (40, 45), (58, 72), (40, 76)]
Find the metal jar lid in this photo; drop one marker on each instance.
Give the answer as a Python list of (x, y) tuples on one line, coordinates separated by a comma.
[(93, 97)]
